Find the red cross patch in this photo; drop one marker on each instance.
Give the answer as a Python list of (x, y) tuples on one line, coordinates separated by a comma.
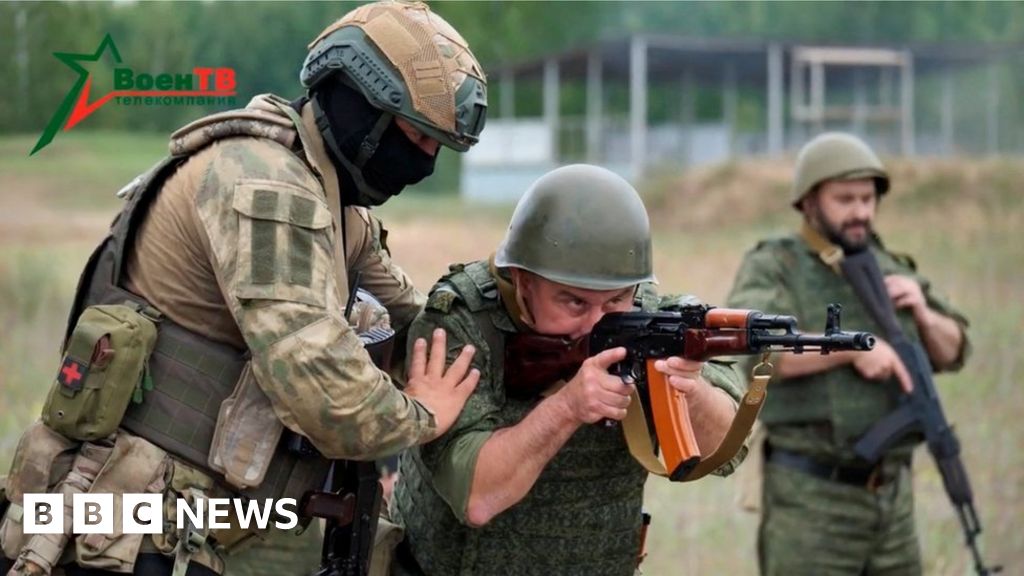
[(72, 374)]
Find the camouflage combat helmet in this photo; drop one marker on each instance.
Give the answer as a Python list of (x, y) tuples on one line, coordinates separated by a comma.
[(836, 156), (408, 62), (582, 226)]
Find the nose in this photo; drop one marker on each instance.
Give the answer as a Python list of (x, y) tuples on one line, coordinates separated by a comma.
[(429, 145), (595, 314), (863, 211)]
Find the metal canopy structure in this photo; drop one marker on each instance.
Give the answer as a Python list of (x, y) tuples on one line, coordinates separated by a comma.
[(804, 89)]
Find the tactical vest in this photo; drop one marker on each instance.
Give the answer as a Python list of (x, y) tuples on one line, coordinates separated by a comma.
[(582, 516), (191, 374), (841, 397)]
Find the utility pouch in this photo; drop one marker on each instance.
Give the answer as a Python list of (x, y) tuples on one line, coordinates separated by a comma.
[(103, 370), (132, 466), (246, 436), (43, 458)]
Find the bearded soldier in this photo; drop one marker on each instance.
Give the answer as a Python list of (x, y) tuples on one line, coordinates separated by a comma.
[(824, 510), (213, 314), (530, 485)]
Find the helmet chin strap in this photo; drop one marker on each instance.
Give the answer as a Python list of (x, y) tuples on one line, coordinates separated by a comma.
[(366, 150)]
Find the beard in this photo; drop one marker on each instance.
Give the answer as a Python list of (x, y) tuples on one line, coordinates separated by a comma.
[(842, 233)]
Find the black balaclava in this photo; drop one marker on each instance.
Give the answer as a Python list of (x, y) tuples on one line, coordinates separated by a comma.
[(369, 173)]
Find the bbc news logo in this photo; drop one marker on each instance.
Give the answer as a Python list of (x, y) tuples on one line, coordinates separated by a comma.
[(144, 513)]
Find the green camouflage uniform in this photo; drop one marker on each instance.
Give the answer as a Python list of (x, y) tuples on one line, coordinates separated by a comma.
[(812, 525), (582, 516)]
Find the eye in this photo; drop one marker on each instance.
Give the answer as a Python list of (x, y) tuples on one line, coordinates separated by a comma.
[(576, 306)]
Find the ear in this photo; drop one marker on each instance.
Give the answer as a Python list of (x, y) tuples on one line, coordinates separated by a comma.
[(810, 202), (520, 278)]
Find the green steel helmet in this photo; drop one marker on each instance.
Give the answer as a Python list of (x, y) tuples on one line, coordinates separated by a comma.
[(583, 226), (406, 61), (836, 156)]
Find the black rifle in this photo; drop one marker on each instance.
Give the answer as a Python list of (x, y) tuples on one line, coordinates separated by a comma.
[(921, 411)]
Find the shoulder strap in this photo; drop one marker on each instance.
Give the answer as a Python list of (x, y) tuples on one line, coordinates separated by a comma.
[(473, 284), (108, 258)]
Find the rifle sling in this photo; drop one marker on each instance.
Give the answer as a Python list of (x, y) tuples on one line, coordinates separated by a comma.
[(862, 273), (638, 438), (829, 253)]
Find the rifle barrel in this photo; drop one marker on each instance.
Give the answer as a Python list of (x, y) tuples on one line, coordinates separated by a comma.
[(861, 341)]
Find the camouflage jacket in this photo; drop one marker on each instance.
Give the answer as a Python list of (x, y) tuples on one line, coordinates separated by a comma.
[(582, 516), (245, 243), (823, 414)]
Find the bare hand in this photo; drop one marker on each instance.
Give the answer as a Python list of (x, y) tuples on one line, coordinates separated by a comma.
[(683, 375), (593, 394), (905, 292), (882, 363), (443, 392)]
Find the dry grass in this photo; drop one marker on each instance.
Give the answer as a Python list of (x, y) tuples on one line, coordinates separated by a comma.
[(960, 219)]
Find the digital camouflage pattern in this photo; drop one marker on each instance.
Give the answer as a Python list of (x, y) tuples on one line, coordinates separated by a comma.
[(810, 525), (583, 514), (784, 276), (815, 527)]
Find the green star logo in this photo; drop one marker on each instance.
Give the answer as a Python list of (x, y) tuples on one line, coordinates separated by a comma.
[(74, 108)]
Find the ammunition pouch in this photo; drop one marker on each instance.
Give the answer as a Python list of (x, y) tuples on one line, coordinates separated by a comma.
[(246, 434), (42, 459)]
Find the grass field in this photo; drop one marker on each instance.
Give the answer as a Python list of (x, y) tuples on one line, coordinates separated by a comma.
[(960, 219)]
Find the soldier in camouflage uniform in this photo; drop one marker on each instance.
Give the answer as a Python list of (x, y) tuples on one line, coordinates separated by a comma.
[(824, 512), (240, 245), (531, 485)]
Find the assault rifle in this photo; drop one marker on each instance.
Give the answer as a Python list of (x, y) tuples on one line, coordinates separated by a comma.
[(698, 332), (921, 412)]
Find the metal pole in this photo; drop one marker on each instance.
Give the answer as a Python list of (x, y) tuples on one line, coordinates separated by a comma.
[(818, 95), (687, 113), (508, 94), (595, 106), (860, 110), (947, 112), (993, 110), (776, 137), (551, 104), (797, 96), (907, 104), (729, 99), (638, 105)]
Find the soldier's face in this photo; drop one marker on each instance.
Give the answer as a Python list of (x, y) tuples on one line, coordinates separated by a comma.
[(844, 211), (560, 310)]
